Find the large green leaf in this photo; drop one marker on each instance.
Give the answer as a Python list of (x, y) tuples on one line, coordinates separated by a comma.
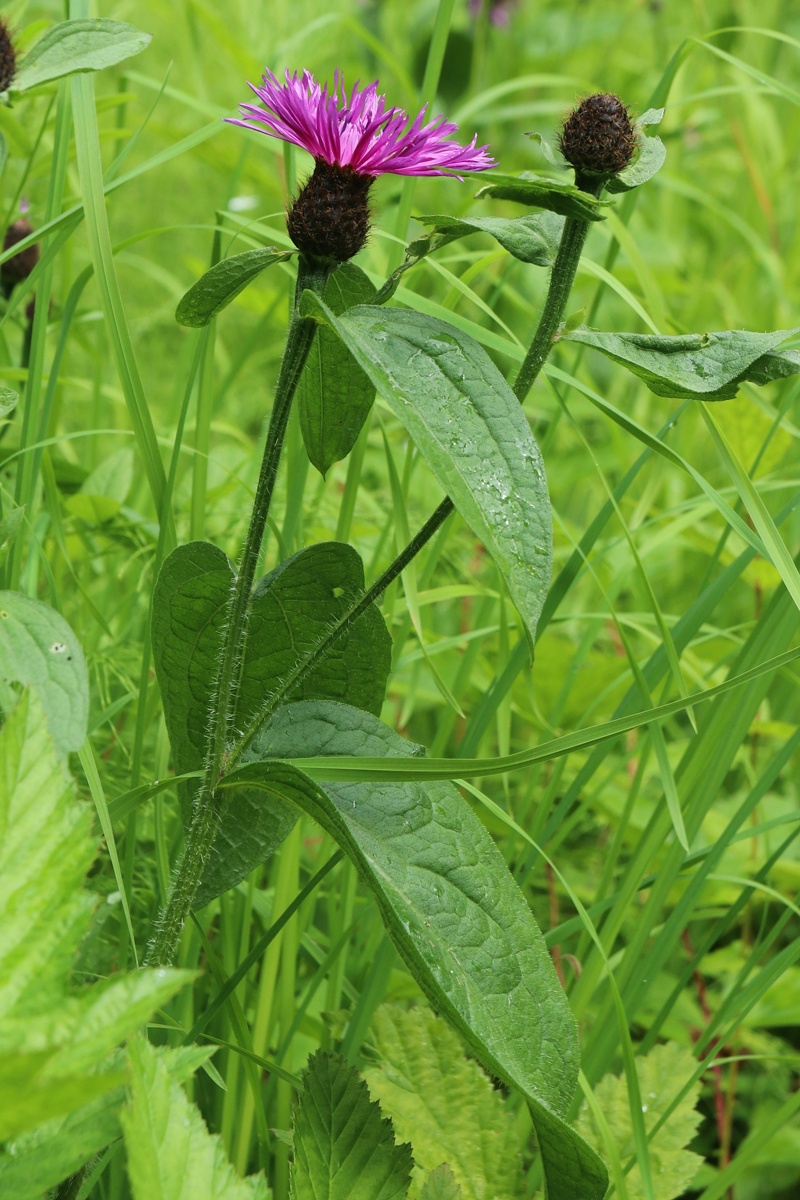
[(223, 282), (291, 610), (703, 366), (171, 1154), (334, 395), (471, 429), (343, 1148), (532, 239), (443, 1104), (538, 192), (452, 910), (89, 44), (39, 649), (56, 1045)]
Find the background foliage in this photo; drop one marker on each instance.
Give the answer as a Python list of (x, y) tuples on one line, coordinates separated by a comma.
[(701, 947)]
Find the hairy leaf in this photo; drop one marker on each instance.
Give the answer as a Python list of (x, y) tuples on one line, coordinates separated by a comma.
[(89, 44), (171, 1154), (222, 283), (471, 429), (538, 192), (532, 239), (703, 366), (39, 649), (334, 395), (443, 1104), (453, 912), (661, 1074), (343, 1148), (291, 610)]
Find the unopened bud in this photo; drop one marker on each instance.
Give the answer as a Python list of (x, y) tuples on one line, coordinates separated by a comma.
[(598, 139), (330, 217), (8, 58), (19, 266)]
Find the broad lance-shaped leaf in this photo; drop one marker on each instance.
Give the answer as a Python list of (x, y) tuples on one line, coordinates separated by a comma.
[(171, 1155), (452, 910), (39, 649), (531, 239), (470, 427), (223, 282), (86, 44), (343, 1148), (703, 366), (537, 192), (291, 610), (334, 395)]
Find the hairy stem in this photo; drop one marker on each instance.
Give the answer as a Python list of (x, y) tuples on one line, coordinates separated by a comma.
[(561, 280), (207, 807)]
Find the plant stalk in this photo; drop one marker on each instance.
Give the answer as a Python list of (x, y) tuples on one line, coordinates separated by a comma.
[(207, 805), (561, 281)]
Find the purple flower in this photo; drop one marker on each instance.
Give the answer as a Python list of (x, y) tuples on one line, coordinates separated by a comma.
[(357, 131)]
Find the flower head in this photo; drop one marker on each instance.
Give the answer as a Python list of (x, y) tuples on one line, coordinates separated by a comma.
[(8, 57), (598, 139), (358, 130)]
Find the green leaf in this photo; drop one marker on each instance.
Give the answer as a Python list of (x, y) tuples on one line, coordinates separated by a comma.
[(538, 192), (55, 1045), (343, 1148), (171, 1154), (453, 912), (662, 1075), (441, 1185), (443, 1104), (532, 239), (649, 159), (218, 287), (470, 427), (8, 400), (82, 45), (334, 395), (39, 650), (292, 608), (704, 366)]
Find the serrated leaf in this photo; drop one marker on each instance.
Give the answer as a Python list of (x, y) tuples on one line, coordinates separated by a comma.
[(441, 1185), (290, 611), (343, 1148), (218, 287), (538, 192), (39, 650), (453, 912), (471, 429), (443, 1104), (80, 45), (334, 395), (54, 1045), (661, 1074), (531, 239), (703, 366), (171, 1154)]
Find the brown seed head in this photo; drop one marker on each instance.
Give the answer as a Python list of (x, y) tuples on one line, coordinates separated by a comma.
[(330, 217), (8, 58), (598, 139)]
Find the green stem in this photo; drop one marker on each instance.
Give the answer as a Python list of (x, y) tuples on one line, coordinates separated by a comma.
[(207, 806), (561, 280)]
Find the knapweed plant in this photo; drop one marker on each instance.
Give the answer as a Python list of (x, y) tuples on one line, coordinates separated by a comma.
[(272, 669)]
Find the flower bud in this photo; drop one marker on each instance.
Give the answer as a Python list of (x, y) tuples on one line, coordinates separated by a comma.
[(330, 217), (8, 58), (19, 266), (598, 139)]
